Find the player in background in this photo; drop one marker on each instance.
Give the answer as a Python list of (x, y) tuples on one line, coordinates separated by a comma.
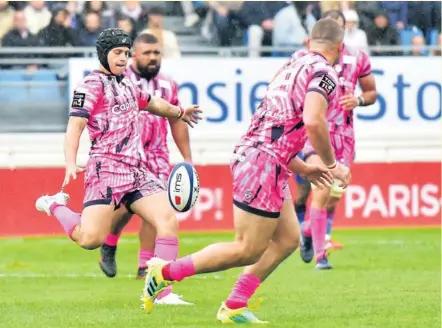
[(116, 175), (267, 230), (145, 72), (353, 66)]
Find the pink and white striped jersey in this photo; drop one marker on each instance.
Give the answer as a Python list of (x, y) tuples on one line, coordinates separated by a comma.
[(277, 126), (155, 128), (352, 65), (111, 109)]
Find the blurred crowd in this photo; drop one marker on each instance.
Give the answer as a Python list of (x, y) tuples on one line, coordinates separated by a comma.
[(368, 23), (78, 23), (227, 23)]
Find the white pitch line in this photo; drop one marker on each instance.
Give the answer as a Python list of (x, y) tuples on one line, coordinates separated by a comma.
[(84, 275)]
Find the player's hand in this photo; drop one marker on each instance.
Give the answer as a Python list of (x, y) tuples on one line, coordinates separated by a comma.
[(318, 175), (192, 115), (342, 173), (71, 173), (349, 101)]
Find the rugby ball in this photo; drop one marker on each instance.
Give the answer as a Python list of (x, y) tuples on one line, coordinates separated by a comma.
[(183, 187)]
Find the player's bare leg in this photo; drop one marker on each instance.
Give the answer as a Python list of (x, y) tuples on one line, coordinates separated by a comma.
[(317, 226), (303, 189), (146, 235), (108, 264), (156, 210), (331, 208), (253, 234), (284, 242), (89, 229)]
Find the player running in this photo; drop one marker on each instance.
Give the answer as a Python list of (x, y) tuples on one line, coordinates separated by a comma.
[(352, 66), (267, 230), (116, 174), (144, 72)]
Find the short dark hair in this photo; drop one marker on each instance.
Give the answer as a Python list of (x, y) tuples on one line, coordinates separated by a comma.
[(146, 38), (327, 30), (155, 10), (334, 14)]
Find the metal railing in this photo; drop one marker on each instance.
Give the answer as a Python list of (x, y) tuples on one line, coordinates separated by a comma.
[(185, 50)]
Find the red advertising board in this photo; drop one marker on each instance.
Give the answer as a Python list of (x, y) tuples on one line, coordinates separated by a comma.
[(381, 195)]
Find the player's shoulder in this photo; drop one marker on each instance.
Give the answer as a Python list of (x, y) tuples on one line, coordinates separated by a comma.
[(354, 52), (93, 80), (299, 53), (164, 78)]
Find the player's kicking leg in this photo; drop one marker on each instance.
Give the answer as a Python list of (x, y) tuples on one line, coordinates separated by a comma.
[(284, 242), (147, 237), (155, 209), (257, 208), (148, 241), (87, 229)]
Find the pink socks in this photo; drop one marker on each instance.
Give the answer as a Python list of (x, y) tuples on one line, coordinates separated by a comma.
[(166, 248), (144, 255), (67, 218), (318, 226), (244, 288), (179, 269), (112, 240)]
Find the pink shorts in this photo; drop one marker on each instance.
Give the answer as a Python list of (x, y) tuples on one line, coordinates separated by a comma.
[(158, 163), (112, 182), (343, 146), (260, 184)]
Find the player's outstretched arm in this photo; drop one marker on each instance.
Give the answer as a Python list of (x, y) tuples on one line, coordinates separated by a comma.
[(160, 107), (315, 108)]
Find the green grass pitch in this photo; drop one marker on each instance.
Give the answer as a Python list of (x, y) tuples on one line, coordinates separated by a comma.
[(382, 278)]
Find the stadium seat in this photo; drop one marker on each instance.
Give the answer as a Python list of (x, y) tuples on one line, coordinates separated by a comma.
[(49, 90), (12, 86), (407, 35), (432, 36)]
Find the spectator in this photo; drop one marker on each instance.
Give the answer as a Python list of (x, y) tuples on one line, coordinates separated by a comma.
[(19, 36), (425, 15), (87, 35), (37, 16), (58, 33), (127, 25), (367, 11), (75, 18), (417, 46), (288, 29), (6, 18), (309, 12), (258, 16), (190, 15), (354, 36), (107, 16), (134, 10), (397, 12), (382, 34), (167, 39), (226, 20), (439, 43)]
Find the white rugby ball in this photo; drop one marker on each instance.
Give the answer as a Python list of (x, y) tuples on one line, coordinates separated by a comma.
[(183, 187)]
